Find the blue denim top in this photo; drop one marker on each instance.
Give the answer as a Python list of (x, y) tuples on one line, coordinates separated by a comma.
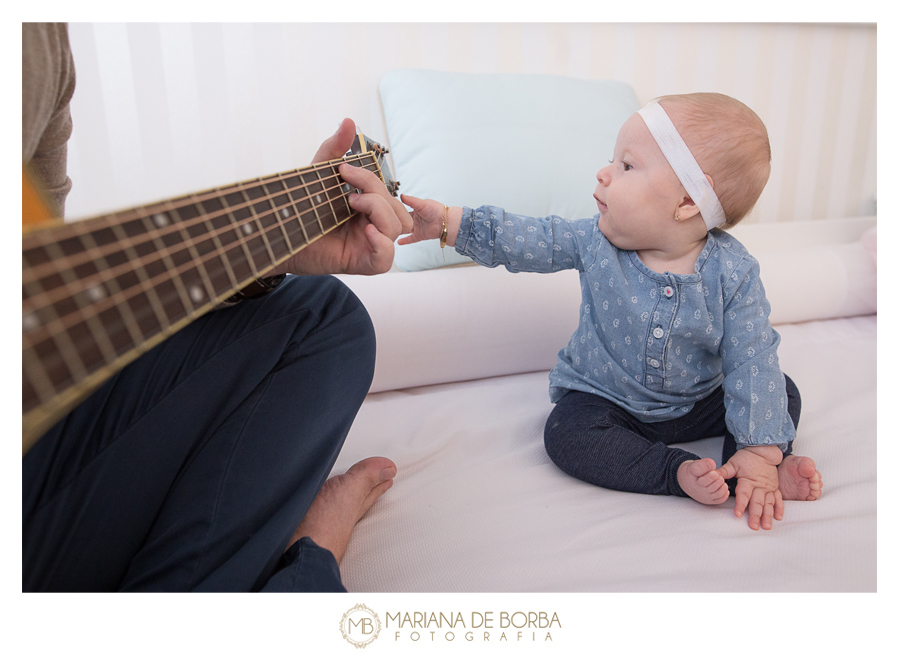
[(653, 343)]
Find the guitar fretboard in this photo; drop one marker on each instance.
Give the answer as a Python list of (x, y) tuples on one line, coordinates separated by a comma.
[(98, 292)]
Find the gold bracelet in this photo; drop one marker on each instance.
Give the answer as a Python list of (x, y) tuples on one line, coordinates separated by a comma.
[(444, 216)]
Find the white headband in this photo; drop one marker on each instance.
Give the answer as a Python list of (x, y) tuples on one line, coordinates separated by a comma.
[(684, 164)]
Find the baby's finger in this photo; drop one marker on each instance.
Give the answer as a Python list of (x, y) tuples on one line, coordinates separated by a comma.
[(779, 505), (756, 508), (768, 510), (428, 210), (411, 201), (727, 470), (409, 239), (742, 497)]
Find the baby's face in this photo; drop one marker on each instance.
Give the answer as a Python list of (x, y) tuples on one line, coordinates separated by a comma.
[(638, 194)]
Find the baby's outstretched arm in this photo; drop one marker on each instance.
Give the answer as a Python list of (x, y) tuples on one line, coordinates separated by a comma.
[(427, 224), (757, 491)]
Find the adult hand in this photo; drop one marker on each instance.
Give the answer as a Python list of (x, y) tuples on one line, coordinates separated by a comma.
[(365, 243)]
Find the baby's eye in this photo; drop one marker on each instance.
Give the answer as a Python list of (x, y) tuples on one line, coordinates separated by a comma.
[(626, 166)]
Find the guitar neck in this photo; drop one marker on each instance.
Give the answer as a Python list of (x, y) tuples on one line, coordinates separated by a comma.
[(97, 293)]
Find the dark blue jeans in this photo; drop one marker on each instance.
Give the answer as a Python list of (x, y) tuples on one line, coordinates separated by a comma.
[(597, 441), (191, 468)]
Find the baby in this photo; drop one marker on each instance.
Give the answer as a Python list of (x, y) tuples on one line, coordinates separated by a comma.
[(674, 343)]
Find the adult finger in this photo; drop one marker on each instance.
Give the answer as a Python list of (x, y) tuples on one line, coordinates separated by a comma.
[(379, 212), (406, 220), (363, 179), (338, 144), (382, 256)]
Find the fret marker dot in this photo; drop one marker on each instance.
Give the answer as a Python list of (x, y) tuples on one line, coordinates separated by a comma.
[(30, 321), (318, 198), (196, 293), (160, 219), (247, 229), (96, 293), (285, 213)]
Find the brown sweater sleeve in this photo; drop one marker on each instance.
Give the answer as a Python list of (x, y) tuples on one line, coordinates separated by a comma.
[(48, 81)]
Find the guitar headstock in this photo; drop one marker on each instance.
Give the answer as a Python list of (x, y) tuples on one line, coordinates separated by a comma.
[(362, 144)]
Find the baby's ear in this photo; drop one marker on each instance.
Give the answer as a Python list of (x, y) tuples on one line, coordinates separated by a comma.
[(687, 209)]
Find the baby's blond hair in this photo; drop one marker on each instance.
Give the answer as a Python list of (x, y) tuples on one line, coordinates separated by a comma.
[(729, 142)]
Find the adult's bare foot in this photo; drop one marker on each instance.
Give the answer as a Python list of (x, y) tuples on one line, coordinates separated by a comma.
[(343, 501)]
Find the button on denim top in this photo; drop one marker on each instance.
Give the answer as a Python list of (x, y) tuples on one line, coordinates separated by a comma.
[(653, 343)]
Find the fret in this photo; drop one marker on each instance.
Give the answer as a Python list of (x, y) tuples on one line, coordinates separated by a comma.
[(183, 215), (278, 213), (300, 198), (339, 191), (216, 225), (135, 255), (133, 305), (242, 221), (312, 186), (268, 219), (65, 346), (290, 215), (347, 191), (40, 362), (99, 292), (292, 183), (40, 385), (162, 219), (330, 221), (262, 231)]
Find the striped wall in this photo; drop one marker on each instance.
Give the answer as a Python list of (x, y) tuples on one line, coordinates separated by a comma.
[(166, 109)]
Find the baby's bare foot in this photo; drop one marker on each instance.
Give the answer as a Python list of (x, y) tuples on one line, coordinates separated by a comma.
[(343, 501), (701, 481), (798, 478)]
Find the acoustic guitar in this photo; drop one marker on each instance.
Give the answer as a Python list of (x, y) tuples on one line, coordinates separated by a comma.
[(98, 293)]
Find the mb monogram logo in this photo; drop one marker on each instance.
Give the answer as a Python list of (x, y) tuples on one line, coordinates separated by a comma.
[(360, 626)]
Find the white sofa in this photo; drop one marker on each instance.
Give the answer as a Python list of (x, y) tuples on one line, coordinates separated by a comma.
[(460, 398)]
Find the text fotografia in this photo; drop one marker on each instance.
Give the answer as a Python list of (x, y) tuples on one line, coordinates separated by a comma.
[(477, 626)]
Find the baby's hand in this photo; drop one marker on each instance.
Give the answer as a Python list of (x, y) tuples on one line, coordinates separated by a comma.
[(757, 487), (426, 216)]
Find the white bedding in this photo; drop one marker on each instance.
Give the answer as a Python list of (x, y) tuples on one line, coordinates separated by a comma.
[(478, 506)]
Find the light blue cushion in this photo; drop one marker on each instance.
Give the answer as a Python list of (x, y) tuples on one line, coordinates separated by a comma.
[(529, 143)]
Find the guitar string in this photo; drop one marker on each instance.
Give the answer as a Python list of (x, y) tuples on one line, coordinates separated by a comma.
[(77, 229), (54, 329), (211, 257), (103, 276)]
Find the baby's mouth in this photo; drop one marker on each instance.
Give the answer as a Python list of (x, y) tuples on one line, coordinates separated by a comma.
[(601, 205)]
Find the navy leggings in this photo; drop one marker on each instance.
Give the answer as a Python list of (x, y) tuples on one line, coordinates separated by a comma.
[(597, 441), (191, 468)]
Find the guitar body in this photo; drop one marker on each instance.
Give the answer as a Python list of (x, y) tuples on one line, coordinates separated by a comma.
[(99, 292)]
